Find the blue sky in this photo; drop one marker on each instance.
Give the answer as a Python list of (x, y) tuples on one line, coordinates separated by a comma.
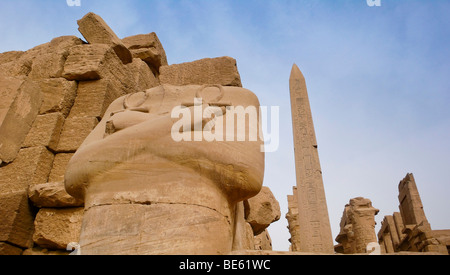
[(378, 80)]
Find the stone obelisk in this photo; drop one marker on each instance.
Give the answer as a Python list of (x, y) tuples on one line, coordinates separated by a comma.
[(314, 224)]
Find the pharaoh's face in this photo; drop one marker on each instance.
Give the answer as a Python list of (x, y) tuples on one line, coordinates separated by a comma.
[(154, 123)]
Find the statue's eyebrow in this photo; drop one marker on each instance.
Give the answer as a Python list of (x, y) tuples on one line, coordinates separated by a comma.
[(126, 103), (136, 107)]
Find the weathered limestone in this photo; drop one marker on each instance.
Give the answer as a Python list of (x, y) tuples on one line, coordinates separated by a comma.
[(59, 167), (90, 62), (7, 57), (263, 241), (314, 224), (255, 213), (58, 95), (56, 228), (243, 234), (148, 48), (17, 114), (99, 61), (399, 226), (7, 249), (43, 61), (144, 78), (250, 238), (48, 65), (138, 182), (443, 236), (16, 226), (19, 67), (93, 97), (95, 30), (52, 195), (262, 210), (388, 235), (63, 43), (221, 70), (48, 61), (409, 230), (32, 166), (8, 93), (45, 131), (357, 226), (74, 132), (146, 233), (411, 207), (292, 218)]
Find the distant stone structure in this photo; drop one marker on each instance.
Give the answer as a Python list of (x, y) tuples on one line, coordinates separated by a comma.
[(409, 229), (292, 218), (357, 227), (308, 223), (54, 96), (311, 229), (406, 232)]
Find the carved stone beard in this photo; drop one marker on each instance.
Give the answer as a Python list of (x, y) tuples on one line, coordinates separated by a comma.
[(147, 194)]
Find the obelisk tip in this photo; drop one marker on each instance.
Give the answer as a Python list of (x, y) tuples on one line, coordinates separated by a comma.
[(295, 72)]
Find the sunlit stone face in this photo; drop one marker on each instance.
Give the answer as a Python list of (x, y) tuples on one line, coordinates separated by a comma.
[(141, 124), (134, 157)]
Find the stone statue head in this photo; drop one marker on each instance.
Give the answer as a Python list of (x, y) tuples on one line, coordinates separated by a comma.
[(157, 178)]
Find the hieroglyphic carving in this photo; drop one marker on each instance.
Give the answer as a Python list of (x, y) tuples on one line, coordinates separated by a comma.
[(357, 227), (314, 224)]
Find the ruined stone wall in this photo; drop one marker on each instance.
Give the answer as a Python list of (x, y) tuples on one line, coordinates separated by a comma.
[(292, 218), (409, 229), (52, 96), (406, 232), (357, 227)]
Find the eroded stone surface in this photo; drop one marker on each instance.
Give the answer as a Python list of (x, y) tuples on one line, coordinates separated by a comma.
[(357, 226), (262, 210), (148, 48), (16, 226), (96, 31), (56, 228), (17, 114), (221, 70), (58, 95), (52, 195), (45, 131)]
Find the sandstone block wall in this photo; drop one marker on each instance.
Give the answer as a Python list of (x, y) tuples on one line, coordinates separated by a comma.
[(51, 97), (292, 218)]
